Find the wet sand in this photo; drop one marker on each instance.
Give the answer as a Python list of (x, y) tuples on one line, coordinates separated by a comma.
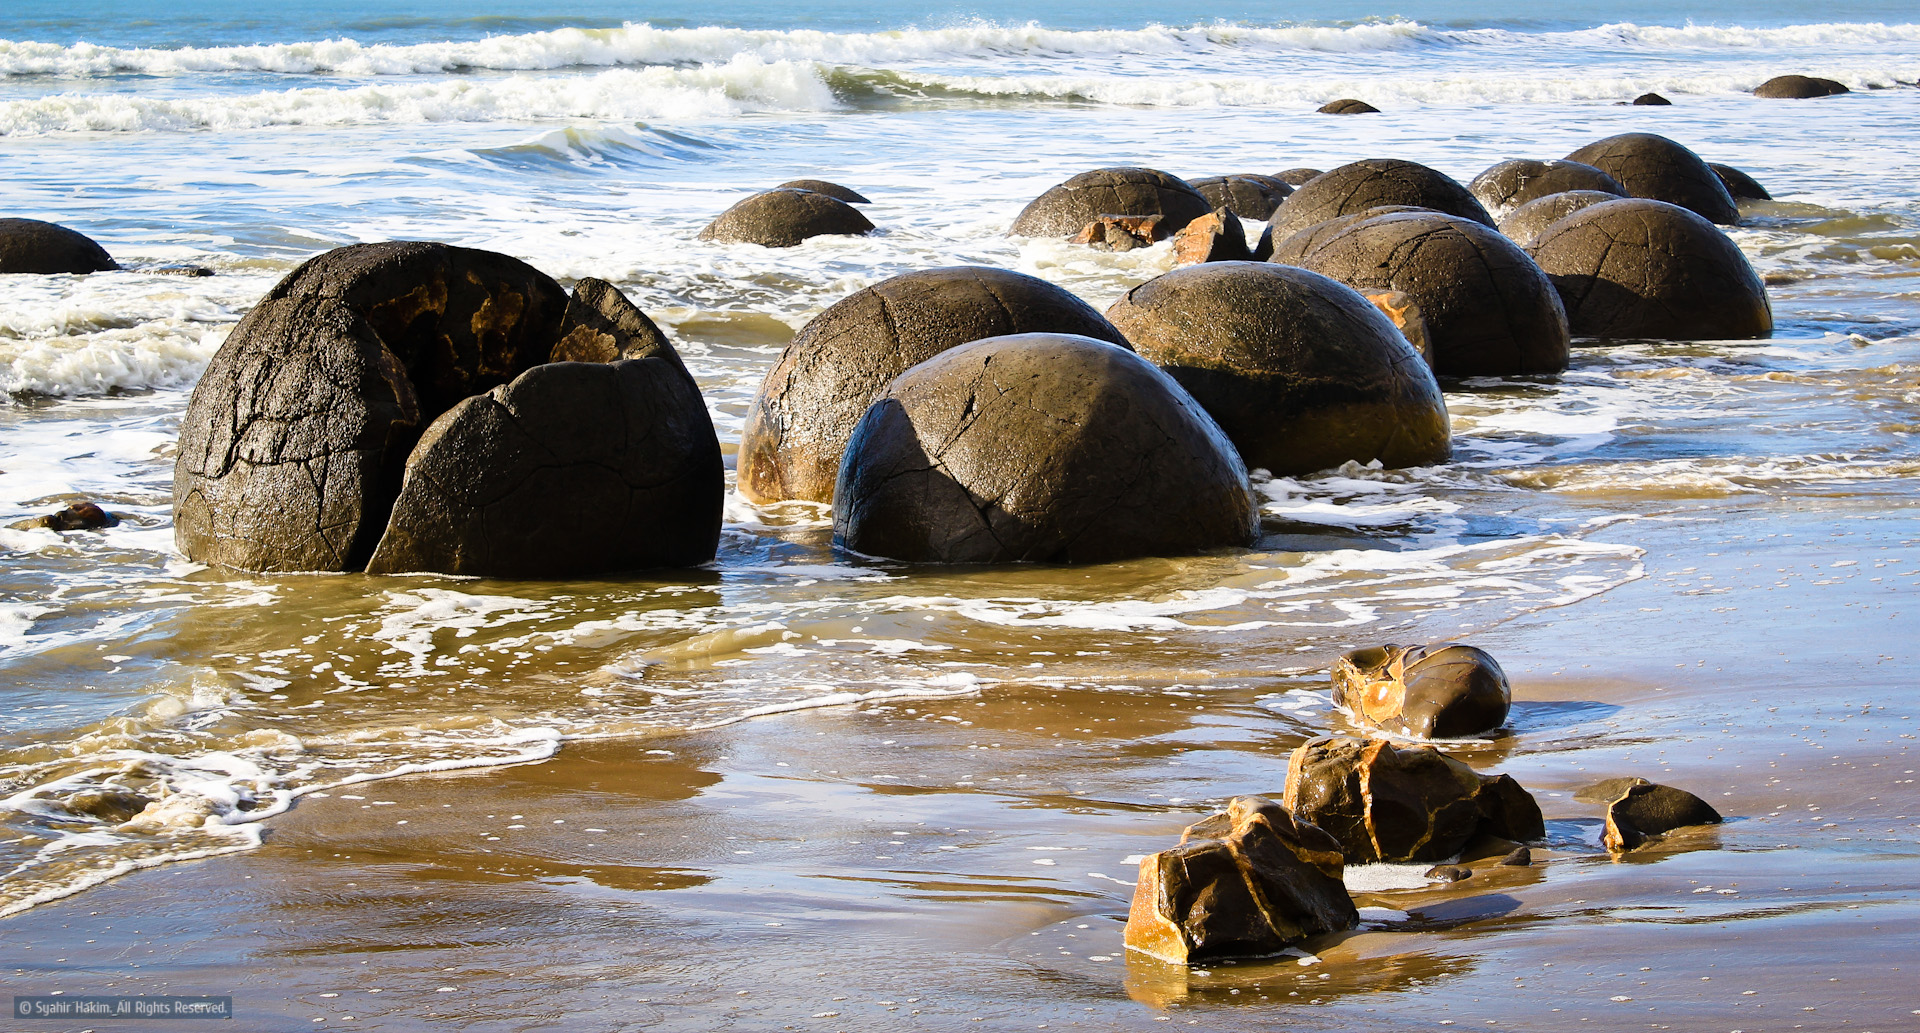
[(962, 863)]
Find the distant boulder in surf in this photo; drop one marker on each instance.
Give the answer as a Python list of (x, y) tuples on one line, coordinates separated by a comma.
[(1638, 268), (1297, 177), (1510, 184), (1742, 186), (1402, 805), (1046, 448), (1372, 183), (806, 408), (1652, 100), (1447, 690), (785, 217), (1246, 194), (1487, 309), (1655, 167), (1799, 87), (1346, 106), (821, 186), (1524, 223), (33, 246), (1066, 209), (1300, 371), (80, 516)]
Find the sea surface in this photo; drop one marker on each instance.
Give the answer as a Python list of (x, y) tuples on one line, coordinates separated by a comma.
[(1671, 544)]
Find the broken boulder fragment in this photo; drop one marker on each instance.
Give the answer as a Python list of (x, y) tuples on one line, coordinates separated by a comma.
[(1644, 811), (601, 325), (1122, 232), (1439, 691), (1247, 883), (1214, 237), (1411, 805)]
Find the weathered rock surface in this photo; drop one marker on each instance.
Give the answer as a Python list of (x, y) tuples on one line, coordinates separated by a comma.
[(1799, 87), (1043, 448), (1404, 313), (1298, 177), (1439, 691), (1068, 208), (1487, 308), (1657, 168), (1524, 224), (1301, 372), (840, 361), (1742, 186), (80, 516), (1248, 883), (292, 447), (1346, 106), (784, 217), (1354, 188), (573, 469), (1510, 184), (601, 325), (1643, 269), (1122, 232), (821, 186), (1652, 100), (1646, 811), (1214, 237), (33, 246), (1248, 195), (1413, 805)]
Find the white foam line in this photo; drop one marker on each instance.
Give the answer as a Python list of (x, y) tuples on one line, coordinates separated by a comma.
[(122, 867), (842, 699)]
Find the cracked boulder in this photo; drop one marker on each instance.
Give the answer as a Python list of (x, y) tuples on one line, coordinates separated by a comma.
[(1068, 208), (1411, 805), (1354, 188), (1644, 269), (838, 363), (821, 186), (1659, 169), (601, 325), (573, 469), (1510, 184), (1487, 309), (1214, 237), (784, 217), (1435, 691), (33, 246), (1047, 448), (1639, 811), (1248, 195), (1742, 186), (1525, 223), (1300, 371), (1249, 882), (1799, 87)]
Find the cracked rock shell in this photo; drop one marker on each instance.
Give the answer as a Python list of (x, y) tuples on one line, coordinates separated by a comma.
[(839, 362), (33, 246), (1042, 448), (1654, 167), (1066, 209), (1403, 805), (1372, 183), (1510, 184)]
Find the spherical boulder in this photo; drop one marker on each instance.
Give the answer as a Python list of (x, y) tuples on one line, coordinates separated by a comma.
[(1655, 167), (32, 246), (1043, 448), (1524, 223), (1298, 177), (1067, 209), (1247, 195), (1510, 184), (821, 186), (1640, 268), (785, 217), (1346, 106), (1488, 309), (1742, 186), (840, 361), (1372, 183), (1799, 87), (1300, 371)]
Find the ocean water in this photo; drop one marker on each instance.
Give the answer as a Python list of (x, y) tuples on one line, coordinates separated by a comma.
[(597, 141)]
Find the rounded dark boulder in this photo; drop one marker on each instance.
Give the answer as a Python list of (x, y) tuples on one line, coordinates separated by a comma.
[(1043, 448), (1346, 106), (1248, 195), (1297, 177), (1742, 186), (1488, 309), (821, 186), (1445, 690), (840, 362), (1652, 100), (1660, 169), (1525, 223), (1067, 209), (785, 217), (1300, 371), (1510, 184), (1372, 183), (32, 246), (1638, 268), (1799, 87)]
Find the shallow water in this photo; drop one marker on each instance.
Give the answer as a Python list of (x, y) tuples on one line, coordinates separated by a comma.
[(1691, 556)]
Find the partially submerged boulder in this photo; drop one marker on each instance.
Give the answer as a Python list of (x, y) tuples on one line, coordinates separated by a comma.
[(1643, 269), (1487, 308), (1440, 691), (1214, 237), (1068, 208), (1652, 100), (1411, 805), (821, 186), (785, 217), (1247, 883), (1510, 184), (1799, 87), (1660, 169), (80, 516), (1248, 195), (1643, 811), (840, 361), (1042, 448), (1346, 106), (33, 246), (1298, 177), (1301, 372), (1371, 183), (1742, 186), (1524, 224)]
